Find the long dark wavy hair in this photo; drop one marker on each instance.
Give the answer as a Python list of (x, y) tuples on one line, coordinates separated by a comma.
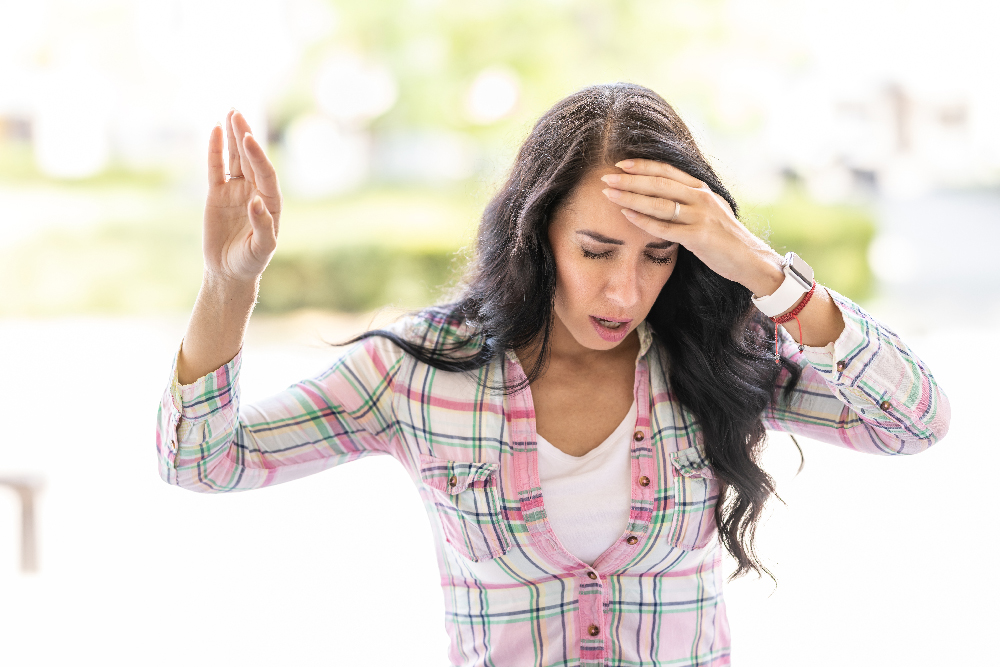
[(720, 348)]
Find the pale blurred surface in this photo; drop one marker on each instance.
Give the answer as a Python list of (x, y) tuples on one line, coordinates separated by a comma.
[(861, 134), (879, 560)]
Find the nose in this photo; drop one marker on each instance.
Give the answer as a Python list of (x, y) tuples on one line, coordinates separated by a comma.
[(623, 287)]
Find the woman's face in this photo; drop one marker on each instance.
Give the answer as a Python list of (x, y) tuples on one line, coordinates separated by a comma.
[(608, 271)]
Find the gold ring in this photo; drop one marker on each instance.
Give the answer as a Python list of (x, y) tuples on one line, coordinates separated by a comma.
[(231, 177)]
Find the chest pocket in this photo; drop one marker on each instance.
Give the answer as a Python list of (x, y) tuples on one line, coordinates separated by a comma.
[(696, 492), (467, 503)]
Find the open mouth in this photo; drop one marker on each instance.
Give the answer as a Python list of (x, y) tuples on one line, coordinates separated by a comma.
[(610, 329)]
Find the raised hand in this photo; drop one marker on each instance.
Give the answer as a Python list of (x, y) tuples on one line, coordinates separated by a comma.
[(242, 213), (240, 235), (672, 205)]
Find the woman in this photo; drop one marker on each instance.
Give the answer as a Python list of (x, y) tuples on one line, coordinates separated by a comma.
[(583, 423)]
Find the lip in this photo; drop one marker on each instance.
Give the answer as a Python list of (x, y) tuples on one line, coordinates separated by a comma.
[(611, 336)]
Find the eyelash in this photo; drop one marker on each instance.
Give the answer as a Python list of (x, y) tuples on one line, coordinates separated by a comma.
[(607, 253)]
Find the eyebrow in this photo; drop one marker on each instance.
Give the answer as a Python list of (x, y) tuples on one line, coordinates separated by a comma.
[(601, 238)]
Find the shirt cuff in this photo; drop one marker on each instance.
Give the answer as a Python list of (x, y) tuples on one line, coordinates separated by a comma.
[(834, 359), (209, 394)]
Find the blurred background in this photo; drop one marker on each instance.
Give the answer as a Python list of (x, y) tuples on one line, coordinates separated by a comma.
[(863, 135)]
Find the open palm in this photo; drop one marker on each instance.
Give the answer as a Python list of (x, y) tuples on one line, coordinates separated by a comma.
[(241, 213)]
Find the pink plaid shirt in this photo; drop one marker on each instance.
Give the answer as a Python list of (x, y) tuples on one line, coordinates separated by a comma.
[(514, 596)]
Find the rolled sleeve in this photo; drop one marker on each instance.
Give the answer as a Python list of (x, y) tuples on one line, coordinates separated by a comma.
[(207, 405), (867, 390)]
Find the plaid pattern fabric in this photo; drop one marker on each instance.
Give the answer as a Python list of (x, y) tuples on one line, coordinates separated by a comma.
[(514, 596)]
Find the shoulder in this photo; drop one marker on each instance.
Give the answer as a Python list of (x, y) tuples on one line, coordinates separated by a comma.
[(436, 326), (437, 330)]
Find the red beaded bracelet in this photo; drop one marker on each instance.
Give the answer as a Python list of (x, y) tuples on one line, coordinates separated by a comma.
[(788, 317)]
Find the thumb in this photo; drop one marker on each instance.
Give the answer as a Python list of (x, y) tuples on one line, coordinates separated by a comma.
[(264, 237)]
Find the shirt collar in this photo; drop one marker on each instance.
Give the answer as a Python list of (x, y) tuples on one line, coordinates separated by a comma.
[(645, 339)]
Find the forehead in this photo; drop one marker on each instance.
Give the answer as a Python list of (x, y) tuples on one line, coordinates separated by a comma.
[(587, 208)]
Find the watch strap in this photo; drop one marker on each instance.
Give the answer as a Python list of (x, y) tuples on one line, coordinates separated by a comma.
[(783, 298)]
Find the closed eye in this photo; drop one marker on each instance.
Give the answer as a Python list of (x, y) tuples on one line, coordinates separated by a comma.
[(607, 253)]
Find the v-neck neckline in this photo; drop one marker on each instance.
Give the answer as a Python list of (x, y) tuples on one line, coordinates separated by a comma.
[(524, 450), (616, 436)]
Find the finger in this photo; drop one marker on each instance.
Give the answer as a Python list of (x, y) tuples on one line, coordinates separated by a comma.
[(654, 168), (216, 157), (240, 129), (653, 186), (656, 207), (265, 237), (264, 175), (668, 231), (234, 155)]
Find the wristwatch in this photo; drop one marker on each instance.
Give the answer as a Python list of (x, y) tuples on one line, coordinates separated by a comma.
[(798, 281)]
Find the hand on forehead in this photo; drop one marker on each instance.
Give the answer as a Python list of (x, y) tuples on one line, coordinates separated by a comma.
[(587, 208)]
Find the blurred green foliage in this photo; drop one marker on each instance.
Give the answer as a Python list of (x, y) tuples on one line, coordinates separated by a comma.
[(402, 247), (402, 244), (833, 239), (358, 279), (436, 48)]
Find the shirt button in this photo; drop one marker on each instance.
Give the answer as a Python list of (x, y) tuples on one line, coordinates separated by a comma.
[(639, 436), (885, 405), (593, 631), (592, 575), (643, 481), (632, 539), (840, 366), (453, 481)]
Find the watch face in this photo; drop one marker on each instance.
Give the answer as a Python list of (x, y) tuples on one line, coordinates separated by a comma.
[(802, 271)]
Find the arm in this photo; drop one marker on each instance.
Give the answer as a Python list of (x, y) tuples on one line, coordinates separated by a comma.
[(239, 236), (881, 399), (866, 391), (206, 442)]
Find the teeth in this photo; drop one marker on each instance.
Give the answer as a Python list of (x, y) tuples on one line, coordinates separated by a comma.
[(608, 324)]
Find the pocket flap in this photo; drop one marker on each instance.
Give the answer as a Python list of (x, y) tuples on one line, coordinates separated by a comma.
[(692, 462), (440, 474)]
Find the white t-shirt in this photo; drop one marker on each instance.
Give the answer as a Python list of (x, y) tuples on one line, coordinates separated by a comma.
[(588, 498)]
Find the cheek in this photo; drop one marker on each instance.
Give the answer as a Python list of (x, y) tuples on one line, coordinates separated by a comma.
[(576, 282), (661, 274), (653, 279)]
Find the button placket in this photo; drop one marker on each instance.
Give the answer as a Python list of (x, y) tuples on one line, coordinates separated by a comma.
[(593, 597)]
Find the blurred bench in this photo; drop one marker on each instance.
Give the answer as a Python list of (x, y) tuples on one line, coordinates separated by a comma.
[(26, 488)]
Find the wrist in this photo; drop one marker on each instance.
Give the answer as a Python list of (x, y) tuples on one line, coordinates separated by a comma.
[(767, 277), (228, 288), (798, 280)]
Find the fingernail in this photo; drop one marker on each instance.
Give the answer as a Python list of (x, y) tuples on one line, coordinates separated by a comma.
[(625, 164), (248, 134), (612, 194), (628, 214), (258, 205), (611, 179)]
